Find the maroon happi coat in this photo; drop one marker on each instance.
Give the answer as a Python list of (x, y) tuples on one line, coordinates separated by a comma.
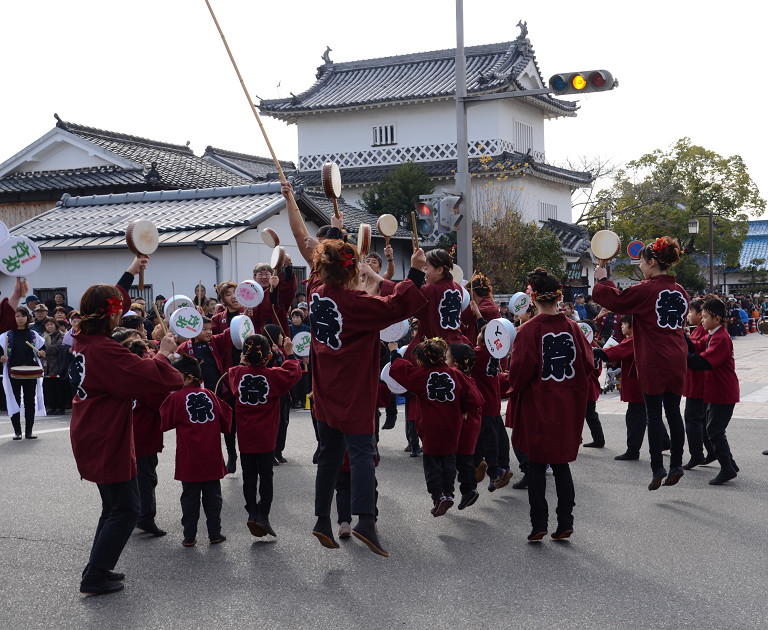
[(263, 313), (345, 343), (549, 371), (694, 379), (199, 417), (625, 353), (445, 394), (108, 378), (147, 432), (658, 307), (257, 392), (486, 375), (7, 316), (488, 309), (721, 385), (442, 315)]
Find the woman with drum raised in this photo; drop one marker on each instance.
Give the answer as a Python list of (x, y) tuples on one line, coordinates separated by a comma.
[(22, 371), (481, 290), (658, 306), (549, 372), (106, 378), (345, 335)]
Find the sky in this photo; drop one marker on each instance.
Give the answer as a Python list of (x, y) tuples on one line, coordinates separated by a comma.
[(159, 69)]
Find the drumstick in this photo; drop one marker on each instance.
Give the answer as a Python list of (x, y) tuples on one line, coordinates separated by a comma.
[(248, 96), (31, 345), (279, 323), (415, 233)]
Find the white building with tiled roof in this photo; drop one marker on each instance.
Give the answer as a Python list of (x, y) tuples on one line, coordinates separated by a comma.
[(370, 116)]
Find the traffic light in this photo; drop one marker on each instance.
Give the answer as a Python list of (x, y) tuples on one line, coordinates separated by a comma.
[(449, 214), (581, 82), (425, 215)]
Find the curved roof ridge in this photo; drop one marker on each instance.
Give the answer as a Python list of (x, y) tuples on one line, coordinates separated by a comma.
[(80, 130)]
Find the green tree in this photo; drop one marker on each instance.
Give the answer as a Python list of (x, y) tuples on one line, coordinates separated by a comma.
[(754, 270), (657, 194), (398, 192)]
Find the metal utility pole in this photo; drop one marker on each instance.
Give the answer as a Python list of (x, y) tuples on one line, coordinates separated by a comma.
[(711, 256), (463, 181)]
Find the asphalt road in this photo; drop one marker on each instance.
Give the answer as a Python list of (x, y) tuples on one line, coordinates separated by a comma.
[(689, 556)]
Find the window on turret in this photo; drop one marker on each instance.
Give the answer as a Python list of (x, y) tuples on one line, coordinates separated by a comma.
[(383, 135), (523, 137), (547, 211)]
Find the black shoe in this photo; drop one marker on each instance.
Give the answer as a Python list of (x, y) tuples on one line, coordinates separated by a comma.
[(231, 464), (217, 539), (153, 529), (366, 531), (407, 449), (115, 576), (627, 457), (561, 533), (722, 477), (260, 526), (468, 499), (675, 475), (17, 436), (280, 459), (765, 452), (658, 477), (594, 445), (324, 533), (536, 535), (522, 484), (389, 423), (29, 436), (693, 462), (711, 457), (96, 582)]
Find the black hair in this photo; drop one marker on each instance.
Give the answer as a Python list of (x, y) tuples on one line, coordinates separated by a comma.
[(441, 258), (546, 285), (696, 305), (431, 352), (189, 366), (256, 349), (272, 332), (121, 333), (463, 356), (132, 321), (715, 307), (665, 250), (627, 319)]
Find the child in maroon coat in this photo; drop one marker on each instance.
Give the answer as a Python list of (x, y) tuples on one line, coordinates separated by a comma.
[(258, 390), (549, 371), (445, 396), (199, 418), (659, 306), (721, 385)]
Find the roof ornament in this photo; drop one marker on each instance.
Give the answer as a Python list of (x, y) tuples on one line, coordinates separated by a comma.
[(486, 78), (522, 43), (327, 60), (60, 123), (153, 175)]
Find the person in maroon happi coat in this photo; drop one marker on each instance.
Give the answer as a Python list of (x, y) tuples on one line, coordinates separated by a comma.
[(481, 290), (199, 417), (258, 390), (659, 306), (345, 326), (549, 371), (106, 378)]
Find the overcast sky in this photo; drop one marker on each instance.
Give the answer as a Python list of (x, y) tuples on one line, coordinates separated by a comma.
[(159, 69)]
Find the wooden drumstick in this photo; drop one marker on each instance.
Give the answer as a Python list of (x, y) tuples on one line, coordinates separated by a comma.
[(31, 345), (415, 233), (248, 96), (141, 273)]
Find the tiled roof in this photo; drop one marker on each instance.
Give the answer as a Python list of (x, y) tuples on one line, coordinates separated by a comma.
[(183, 217), (416, 77), (72, 179), (178, 167), (257, 168), (441, 169), (353, 216), (755, 245), (575, 238)]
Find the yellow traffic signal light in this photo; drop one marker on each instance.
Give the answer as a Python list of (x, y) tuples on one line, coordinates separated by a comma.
[(582, 82)]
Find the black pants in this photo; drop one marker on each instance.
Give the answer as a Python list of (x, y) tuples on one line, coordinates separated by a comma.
[(593, 422), (29, 387), (718, 417), (257, 476), (147, 480), (488, 444), (230, 438), (636, 421), (392, 408), (191, 494), (119, 511), (522, 460), (282, 428), (695, 427), (465, 472), (440, 474), (502, 441), (410, 426), (55, 393), (537, 495), (653, 405), (362, 453), (344, 496)]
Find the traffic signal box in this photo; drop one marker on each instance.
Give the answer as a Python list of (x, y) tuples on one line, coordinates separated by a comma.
[(582, 82)]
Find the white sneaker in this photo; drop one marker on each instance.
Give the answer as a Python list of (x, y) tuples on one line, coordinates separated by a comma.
[(345, 530)]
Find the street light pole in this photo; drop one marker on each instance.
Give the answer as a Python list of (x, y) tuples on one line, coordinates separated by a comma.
[(711, 256), (463, 181)]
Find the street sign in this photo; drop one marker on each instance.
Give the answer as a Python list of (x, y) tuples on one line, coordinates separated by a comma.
[(634, 249)]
